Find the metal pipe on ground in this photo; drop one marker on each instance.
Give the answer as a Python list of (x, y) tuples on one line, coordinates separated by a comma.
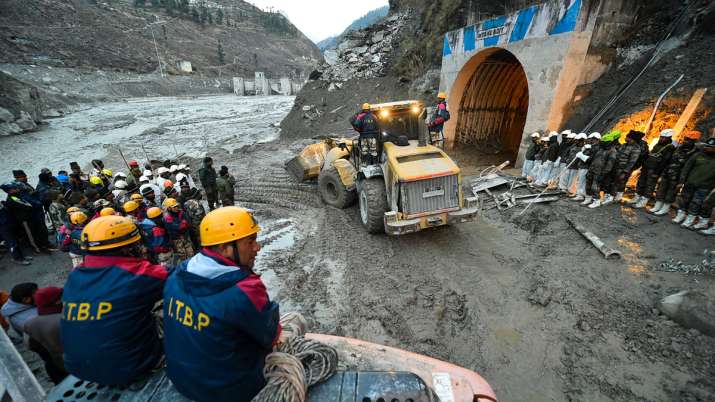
[(607, 252)]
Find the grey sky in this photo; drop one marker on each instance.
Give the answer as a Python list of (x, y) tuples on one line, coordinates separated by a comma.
[(319, 19)]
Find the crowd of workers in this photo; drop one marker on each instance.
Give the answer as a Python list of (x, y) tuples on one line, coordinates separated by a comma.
[(164, 202), (134, 244), (588, 165)]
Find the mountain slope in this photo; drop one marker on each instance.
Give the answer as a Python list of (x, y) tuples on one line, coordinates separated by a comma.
[(117, 34), (360, 23)]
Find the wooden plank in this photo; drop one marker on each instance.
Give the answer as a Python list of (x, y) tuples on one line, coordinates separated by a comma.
[(688, 112)]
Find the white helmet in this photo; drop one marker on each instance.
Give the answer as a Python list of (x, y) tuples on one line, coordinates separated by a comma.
[(566, 132), (571, 135), (148, 173), (587, 146), (173, 168), (553, 133), (535, 135), (144, 179), (595, 135), (162, 170), (182, 167), (668, 132), (180, 177), (581, 136), (119, 174), (121, 185)]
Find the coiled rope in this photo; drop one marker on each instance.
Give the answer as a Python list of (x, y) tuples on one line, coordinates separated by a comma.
[(297, 364)]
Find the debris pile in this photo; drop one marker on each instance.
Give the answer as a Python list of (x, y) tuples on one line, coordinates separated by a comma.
[(364, 53), (484, 188), (706, 266)]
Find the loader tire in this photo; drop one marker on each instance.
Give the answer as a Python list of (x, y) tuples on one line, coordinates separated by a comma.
[(373, 204), (332, 191)]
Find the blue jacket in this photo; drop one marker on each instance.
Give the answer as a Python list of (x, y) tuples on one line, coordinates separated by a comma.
[(219, 325), (108, 332), (76, 240)]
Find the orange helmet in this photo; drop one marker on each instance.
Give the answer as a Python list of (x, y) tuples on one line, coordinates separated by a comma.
[(693, 135)]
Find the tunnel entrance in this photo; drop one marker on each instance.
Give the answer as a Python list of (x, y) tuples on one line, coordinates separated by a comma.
[(493, 107)]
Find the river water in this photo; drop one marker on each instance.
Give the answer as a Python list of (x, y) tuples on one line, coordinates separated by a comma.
[(165, 126)]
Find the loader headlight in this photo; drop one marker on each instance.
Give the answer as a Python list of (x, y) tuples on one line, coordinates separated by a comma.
[(384, 113), (416, 109)]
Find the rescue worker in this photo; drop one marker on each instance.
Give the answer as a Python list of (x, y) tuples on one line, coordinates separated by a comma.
[(225, 183), (164, 175), (195, 212), (178, 228), (109, 334), (186, 170), (97, 167), (698, 180), (583, 163), (107, 177), (57, 210), (569, 174), (77, 171), (135, 173), (21, 306), (533, 175), (652, 169), (108, 211), (530, 155), (436, 125), (10, 225), (131, 209), (369, 144), (36, 219), (602, 162), (148, 196), (567, 140), (627, 157), (548, 159), (157, 240), (220, 356), (207, 176), (44, 329), (74, 239), (707, 210), (668, 186), (20, 213)]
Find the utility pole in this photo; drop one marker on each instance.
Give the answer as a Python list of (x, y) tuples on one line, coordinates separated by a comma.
[(161, 70)]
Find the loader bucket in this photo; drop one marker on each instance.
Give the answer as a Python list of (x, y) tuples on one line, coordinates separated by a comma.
[(308, 163)]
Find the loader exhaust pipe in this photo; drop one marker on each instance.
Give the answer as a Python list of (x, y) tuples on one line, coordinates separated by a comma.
[(422, 137)]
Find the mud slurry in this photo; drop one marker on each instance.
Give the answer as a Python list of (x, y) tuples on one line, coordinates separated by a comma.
[(524, 301)]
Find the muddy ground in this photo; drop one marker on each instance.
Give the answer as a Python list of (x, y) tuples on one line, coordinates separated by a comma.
[(524, 301)]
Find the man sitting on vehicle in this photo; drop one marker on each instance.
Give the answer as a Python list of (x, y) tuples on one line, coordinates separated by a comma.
[(436, 124), (109, 334), (365, 123), (218, 320)]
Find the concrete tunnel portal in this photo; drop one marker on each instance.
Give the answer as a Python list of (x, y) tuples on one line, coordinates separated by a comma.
[(492, 97)]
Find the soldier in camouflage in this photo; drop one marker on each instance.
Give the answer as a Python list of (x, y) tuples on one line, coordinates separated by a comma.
[(668, 187), (195, 212), (603, 159)]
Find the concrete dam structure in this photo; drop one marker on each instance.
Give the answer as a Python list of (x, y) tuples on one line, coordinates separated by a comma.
[(261, 85), (509, 76)]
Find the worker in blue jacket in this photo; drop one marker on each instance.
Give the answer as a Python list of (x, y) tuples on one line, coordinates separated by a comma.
[(219, 323), (109, 333)]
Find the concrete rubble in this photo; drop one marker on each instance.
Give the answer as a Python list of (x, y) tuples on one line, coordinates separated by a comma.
[(9, 125), (364, 53)]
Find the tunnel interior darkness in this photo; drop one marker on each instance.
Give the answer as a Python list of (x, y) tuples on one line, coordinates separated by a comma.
[(493, 108)]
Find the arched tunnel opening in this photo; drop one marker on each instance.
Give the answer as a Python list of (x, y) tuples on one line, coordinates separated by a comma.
[(493, 107)]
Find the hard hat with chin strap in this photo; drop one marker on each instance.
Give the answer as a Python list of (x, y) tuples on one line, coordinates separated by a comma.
[(95, 181), (227, 224), (109, 232), (442, 95), (136, 198), (107, 212), (170, 202)]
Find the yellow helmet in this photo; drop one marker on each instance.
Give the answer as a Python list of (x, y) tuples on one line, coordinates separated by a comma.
[(108, 232), (72, 209), (130, 206), (442, 95), (227, 224), (107, 172), (136, 198), (108, 211), (95, 180), (365, 106), (153, 212), (78, 217), (170, 202)]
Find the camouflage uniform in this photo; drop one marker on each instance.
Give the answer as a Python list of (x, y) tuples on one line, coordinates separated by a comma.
[(601, 165), (195, 212), (626, 157), (653, 167), (225, 185), (58, 215), (668, 187)]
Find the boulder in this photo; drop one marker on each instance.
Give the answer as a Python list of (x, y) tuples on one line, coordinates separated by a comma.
[(378, 36), (331, 57), (348, 44), (52, 113), (26, 122), (9, 129), (375, 58), (6, 116), (691, 310), (360, 50)]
